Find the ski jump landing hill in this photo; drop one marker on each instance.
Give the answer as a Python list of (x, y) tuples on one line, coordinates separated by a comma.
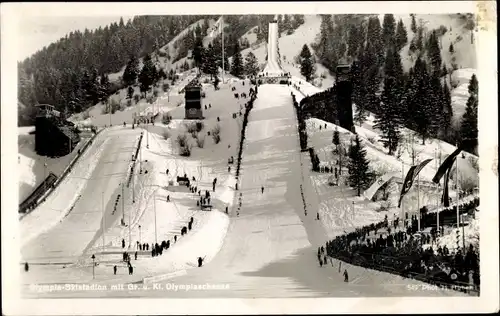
[(269, 249)]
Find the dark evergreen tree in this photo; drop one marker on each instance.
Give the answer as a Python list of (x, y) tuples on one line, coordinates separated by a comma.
[(413, 24), (198, 33), (388, 118), (104, 87), (419, 43), (298, 19), (336, 138), (162, 74), (306, 63), (374, 39), (210, 62), (436, 104), (130, 92), (324, 49), (434, 52), (251, 65), (354, 40), (401, 35), (227, 65), (420, 106), (286, 24), (237, 66), (447, 113), (358, 91), (468, 126), (451, 49), (148, 75), (473, 87), (89, 87), (371, 79), (198, 51), (131, 71), (413, 46), (389, 30), (444, 71), (359, 174)]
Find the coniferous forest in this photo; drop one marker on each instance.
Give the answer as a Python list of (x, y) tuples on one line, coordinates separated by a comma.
[(73, 73), (418, 99)]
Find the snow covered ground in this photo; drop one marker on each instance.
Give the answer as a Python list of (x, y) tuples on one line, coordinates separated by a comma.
[(460, 91), (464, 55), (269, 249), (265, 249), (51, 232), (56, 258), (290, 47)]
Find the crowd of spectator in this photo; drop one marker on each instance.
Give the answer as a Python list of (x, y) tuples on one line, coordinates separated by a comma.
[(402, 252)]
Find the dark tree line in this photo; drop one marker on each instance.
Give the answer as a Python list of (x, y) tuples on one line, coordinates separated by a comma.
[(287, 23), (419, 99), (360, 175), (71, 74), (188, 42)]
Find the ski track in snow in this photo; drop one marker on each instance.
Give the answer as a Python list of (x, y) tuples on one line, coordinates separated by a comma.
[(268, 250)]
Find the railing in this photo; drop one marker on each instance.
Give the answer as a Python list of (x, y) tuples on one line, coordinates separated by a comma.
[(66, 171), (132, 167), (243, 130), (30, 201)]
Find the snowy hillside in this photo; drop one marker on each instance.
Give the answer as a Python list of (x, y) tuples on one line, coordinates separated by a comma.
[(169, 48), (250, 36), (460, 91), (259, 233), (464, 55)]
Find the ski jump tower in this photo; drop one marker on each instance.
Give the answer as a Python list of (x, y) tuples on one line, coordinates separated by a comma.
[(273, 73)]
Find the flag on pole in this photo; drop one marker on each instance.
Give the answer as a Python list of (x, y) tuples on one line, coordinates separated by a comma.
[(445, 170), (445, 199), (446, 165), (407, 184), (410, 177)]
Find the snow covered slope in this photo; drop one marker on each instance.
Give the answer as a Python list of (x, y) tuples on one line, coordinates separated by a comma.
[(270, 247), (269, 250), (460, 91), (464, 55), (168, 48)]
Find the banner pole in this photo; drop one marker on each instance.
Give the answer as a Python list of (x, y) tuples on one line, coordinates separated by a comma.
[(418, 200), (437, 196), (402, 202), (458, 193)]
